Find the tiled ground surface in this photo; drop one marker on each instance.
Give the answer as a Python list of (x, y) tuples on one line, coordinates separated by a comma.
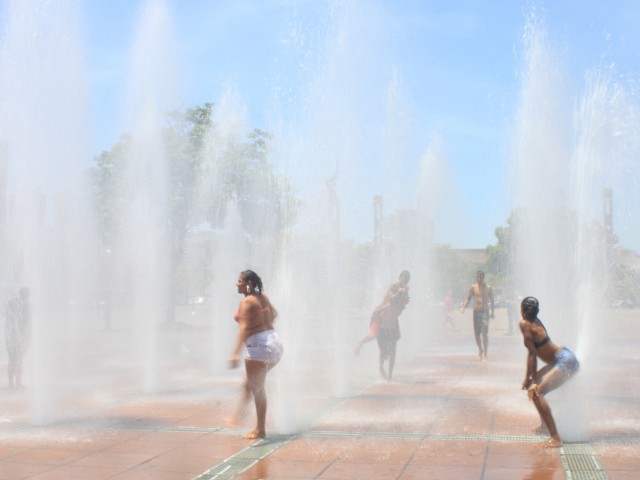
[(445, 416)]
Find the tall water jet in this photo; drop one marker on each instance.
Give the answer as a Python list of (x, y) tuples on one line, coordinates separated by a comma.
[(542, 145), (143, 247), (347, 119), (435, 204), (46, 238), (230, 248), (228, 260), (411, 188), (569, 149)]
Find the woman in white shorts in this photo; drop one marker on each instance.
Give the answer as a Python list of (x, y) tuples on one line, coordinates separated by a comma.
[(255, 317)]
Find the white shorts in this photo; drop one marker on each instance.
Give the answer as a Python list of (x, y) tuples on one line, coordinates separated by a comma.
[(264, 347)]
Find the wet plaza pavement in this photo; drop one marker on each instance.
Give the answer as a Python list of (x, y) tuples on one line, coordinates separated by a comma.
[(446, 415)]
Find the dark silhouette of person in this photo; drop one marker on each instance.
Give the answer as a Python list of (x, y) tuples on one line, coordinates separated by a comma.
[(17, 335), (400, 287), (389, 331)]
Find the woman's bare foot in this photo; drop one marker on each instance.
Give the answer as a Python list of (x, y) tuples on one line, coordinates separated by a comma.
[(553, 443), (254, 435), (383, 373)]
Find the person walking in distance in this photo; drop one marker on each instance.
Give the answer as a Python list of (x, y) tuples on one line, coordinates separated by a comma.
[(483, 309)]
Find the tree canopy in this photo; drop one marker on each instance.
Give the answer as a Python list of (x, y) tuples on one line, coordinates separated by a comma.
[(205, 170)]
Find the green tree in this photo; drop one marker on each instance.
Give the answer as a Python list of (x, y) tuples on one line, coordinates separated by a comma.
[(452, 272), (105, 179), (624, 284), (238, 170), (242, 172), (608, 261), (500, 256)]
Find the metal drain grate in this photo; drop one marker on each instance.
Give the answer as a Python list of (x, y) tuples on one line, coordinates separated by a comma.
[(579, 462), (616, 440), (243, 460), (577, 449), (586, 475)]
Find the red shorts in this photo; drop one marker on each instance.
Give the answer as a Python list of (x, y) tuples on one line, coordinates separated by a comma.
[(374, 323), (373, 328)]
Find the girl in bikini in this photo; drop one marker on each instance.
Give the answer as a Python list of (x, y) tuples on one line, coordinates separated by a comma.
[(561, 365), (255, 317)]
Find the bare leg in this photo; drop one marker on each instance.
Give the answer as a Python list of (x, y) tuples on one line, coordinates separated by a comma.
[(479, 343), (545, 413), (241, 410), (383, 373), (542, 428), (549, 382), (256, 375), (392, 363), (367, 338), (485, 341)]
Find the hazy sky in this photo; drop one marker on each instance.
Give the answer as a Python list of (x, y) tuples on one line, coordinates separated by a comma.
[(447, 76)]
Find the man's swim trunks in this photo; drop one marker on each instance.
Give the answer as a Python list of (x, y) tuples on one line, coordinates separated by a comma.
[(480, 322)]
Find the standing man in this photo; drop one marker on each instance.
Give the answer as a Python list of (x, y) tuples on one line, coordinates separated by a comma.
[(482, 295)]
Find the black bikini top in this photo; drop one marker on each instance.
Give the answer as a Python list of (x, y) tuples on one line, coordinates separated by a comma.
[(542, 342), (545, 340)]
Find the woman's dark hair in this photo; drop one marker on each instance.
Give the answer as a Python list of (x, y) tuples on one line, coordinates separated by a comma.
[(530, 308), (254, 279)]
